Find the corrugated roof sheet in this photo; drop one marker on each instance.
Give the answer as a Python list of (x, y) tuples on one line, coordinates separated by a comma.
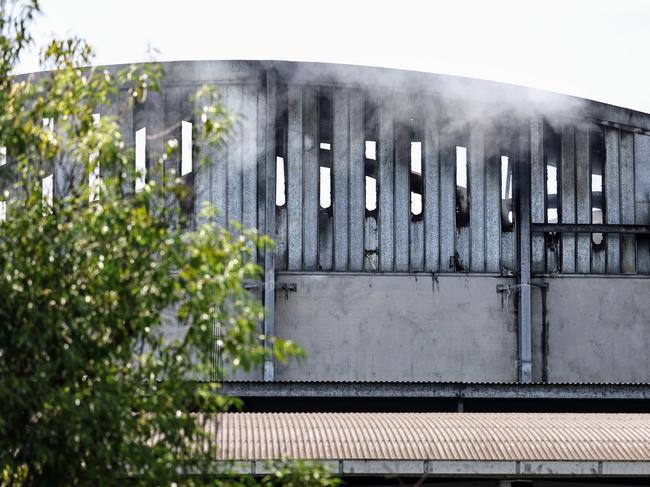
[(433, 436)]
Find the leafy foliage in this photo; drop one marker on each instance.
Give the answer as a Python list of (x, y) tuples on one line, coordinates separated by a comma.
[(110, 297)]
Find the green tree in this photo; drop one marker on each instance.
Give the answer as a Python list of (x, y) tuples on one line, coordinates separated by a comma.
[(93, 391)]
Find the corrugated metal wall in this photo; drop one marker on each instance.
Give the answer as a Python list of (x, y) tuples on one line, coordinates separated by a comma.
[(359, 139)]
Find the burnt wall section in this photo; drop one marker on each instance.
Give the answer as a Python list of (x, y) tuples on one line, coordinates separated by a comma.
[(396, 203)]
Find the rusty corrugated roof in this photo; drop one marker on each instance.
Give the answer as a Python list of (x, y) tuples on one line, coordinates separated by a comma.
[(433, 436)]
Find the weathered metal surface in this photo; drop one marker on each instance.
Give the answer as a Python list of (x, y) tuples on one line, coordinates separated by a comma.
[(357, 181), (568, 198), (628, 250), (583, 198), (588, 228), (401, 196), (642, 198), (431, 180), (340, 185), (311, 175), (385, 181), (432, 436), (269, 210), (439, 390), (537, 191), (234, 163), (294, 178), (476, 168), (524, 310), (611, 188)]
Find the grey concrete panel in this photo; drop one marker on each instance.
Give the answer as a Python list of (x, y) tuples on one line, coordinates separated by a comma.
[(604, 335), (397, 327)]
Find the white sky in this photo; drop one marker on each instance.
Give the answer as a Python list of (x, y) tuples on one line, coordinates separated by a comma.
[(589, 48)]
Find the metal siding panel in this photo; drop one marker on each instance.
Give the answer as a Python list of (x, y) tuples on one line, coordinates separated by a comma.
[(294, 178), (476, 172), (311, 175), (357, 181), (628, 251), (203, 172), (493, 234), (385, 185), (568, 197), (324, 240), (416, 244), (612, 198), (641, 198), (431, 180), (341, 167), (218, 175), (447, 201), (270, 118), (583, 197), (463, 232), (261, 161), (538, 191), (402, 214), (249, 157), (370, 244), (234, 170), (460, 439)]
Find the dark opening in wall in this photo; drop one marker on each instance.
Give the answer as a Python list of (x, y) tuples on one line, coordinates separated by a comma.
[(370, 160), (281, 151), (416, 182), (552, 176), (598, 203), (325, 130), (507, 207), (462, 188)]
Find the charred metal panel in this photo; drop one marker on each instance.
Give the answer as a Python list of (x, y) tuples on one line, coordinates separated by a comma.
[(431, 210)]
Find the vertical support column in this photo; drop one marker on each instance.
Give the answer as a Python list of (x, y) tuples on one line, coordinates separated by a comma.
[(524, 311), (269, 209)]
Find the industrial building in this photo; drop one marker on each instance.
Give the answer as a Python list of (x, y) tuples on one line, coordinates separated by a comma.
[(465, 263)]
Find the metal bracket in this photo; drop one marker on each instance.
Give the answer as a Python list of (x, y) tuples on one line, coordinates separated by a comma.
[(284, 286), (506, 288)]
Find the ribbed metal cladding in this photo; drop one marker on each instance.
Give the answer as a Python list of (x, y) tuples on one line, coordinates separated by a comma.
[(433, 436)]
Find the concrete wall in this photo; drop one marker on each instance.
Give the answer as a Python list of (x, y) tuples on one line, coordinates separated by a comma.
[(398, 327), (598, 329), (410, 327)]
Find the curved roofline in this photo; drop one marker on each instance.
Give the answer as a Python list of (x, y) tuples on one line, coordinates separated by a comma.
[(489, 94)]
